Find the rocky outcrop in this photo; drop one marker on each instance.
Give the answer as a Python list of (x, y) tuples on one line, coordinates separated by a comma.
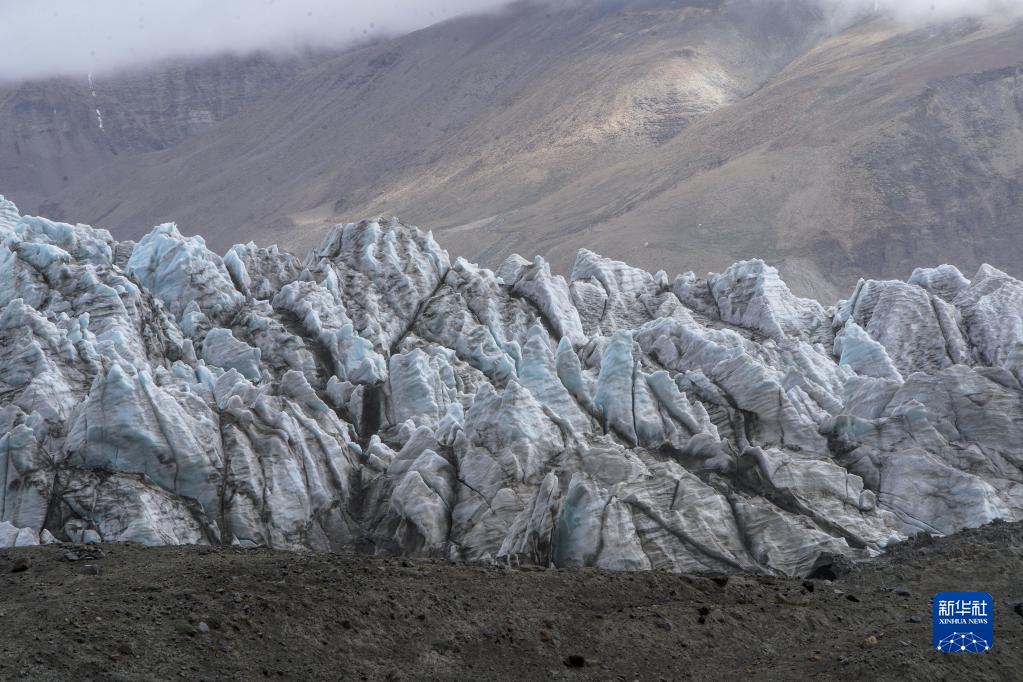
[(379, 395)]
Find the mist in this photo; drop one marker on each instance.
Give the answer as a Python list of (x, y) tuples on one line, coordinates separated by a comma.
[(73, 37), (919, 12)]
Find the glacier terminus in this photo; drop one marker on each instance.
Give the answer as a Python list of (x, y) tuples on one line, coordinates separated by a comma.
[(378, 395)]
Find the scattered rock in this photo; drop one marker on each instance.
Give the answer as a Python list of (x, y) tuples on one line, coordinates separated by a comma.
[(870, 642), (21, 564), (575, 661), (830, 566), (183, 627), (203, 627), (90, 569)]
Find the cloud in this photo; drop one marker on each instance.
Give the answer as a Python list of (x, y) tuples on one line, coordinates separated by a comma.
[(928, 11), (72, 37)]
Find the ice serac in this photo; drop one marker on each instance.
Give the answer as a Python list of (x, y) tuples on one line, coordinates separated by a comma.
[(991, 308), (750, 294), (180, 270), (383, 273), (548, 293), (260, 273), (376, 394), (919, 330), (611, 295), (8, 215)]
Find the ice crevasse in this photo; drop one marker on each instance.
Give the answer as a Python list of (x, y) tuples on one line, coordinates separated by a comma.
[(377, 394)]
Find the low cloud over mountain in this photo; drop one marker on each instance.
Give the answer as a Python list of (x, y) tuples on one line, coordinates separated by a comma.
[(53, 37), (50, 37)]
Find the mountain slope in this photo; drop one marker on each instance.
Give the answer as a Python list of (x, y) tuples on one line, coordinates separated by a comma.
[(874, 153), (54, 132), (675, 135), (468, 119)]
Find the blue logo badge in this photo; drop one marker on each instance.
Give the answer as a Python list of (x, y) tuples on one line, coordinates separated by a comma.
[(964, 622)]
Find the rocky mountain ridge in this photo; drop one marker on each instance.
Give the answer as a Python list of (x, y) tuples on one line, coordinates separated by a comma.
[(377, 394)]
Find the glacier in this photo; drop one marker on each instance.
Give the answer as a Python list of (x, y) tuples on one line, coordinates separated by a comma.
[(378, 395)]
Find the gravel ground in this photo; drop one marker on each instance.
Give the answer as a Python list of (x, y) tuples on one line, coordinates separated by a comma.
[(124, 612)]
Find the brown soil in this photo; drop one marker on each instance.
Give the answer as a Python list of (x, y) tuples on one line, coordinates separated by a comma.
[(125, 612)]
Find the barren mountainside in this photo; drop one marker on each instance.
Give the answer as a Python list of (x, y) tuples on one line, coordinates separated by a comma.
[(520, 100), (57, 131), (673, 135)]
